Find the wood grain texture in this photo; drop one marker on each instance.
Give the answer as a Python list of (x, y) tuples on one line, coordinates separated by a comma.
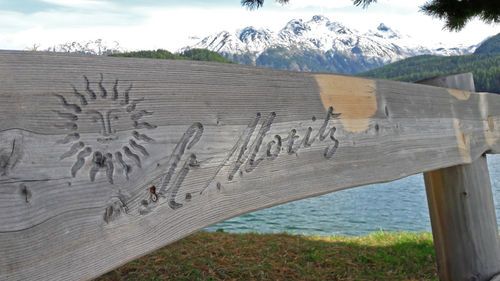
[(84, 139), (463, 220), (464, 223)]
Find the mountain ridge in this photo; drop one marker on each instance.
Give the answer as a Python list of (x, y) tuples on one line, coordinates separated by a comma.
[(319, 44), (490, 45)]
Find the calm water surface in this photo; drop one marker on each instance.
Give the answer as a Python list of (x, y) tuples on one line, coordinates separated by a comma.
[(396, 206)]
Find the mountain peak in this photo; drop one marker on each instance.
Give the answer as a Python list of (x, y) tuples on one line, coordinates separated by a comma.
[(383, 27), (250, 33), (385, 32), (319, 18), (296, 26), (317, 44)]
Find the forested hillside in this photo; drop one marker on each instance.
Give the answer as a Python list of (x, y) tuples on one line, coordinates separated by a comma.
[(484, 64), (193, 54), (492, 45), (485, 68)]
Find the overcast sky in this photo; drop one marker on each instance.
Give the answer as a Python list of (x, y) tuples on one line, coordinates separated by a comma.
[(167, 24)]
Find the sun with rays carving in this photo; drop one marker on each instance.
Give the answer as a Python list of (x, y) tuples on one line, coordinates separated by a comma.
[(115, 139)]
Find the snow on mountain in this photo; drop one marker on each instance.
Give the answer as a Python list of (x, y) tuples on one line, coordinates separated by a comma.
[(319, 45), (386, 32)]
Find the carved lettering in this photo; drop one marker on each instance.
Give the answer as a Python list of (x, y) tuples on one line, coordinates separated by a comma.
[(188, 140), (248, 155), (249, 151)]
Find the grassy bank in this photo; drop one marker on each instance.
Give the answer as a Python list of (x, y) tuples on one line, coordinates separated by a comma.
[(224, 256)]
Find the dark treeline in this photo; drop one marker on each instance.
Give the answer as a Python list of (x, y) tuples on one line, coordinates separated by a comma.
[(193, 54), (484, 67)]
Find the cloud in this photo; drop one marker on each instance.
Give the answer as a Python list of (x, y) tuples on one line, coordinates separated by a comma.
[(413, 4), (325, 4), (339, 4), (88, 4)]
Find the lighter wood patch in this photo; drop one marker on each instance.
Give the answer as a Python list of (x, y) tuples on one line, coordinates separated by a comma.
[(463, 141), (490, 122), (355, 98), (459, 94), (491, 133)]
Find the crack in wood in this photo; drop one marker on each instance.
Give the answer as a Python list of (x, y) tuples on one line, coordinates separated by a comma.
[(115, 208), (9, 157), (25, 192)]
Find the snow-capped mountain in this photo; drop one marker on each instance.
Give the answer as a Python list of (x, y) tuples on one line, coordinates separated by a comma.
[(319, 45)]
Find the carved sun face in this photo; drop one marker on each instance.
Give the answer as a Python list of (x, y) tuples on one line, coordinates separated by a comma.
[(104, 147)]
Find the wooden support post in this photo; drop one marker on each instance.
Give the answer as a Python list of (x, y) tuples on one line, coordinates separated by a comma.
[(462, 212)]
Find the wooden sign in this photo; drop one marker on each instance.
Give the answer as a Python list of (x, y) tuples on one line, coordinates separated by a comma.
[(104, 159)]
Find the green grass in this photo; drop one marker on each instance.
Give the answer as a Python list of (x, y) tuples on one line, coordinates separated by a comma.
[(224, 256)]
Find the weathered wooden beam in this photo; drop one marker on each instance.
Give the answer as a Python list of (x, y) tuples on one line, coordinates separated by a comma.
[(464, 224), (104, 159)]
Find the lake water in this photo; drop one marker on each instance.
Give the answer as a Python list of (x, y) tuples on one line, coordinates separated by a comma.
[(396, 206)]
